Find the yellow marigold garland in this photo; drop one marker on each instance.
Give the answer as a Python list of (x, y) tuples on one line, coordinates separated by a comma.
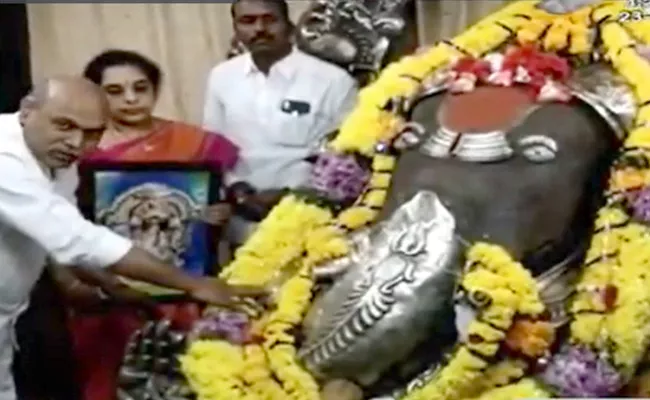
[(619, 256), (290, 225), (292, 302), (504, 372), (509, 290), (297, 233), (269, 371), (524, 389), (207, 362)]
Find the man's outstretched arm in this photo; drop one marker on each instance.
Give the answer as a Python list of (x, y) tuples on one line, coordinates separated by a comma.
[(32, 208)]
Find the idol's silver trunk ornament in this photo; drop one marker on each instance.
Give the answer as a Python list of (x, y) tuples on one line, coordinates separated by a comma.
[(392, 298)]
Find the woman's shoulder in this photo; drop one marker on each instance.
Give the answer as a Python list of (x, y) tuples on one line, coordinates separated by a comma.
[(215, 145), (188, 128), (181, 126)]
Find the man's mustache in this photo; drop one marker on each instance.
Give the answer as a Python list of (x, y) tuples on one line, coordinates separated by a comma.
[(264, 37)]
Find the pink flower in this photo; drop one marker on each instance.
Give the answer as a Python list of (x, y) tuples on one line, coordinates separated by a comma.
[(553, 91), (501, 78), (466, 82), (522, 75), (543, 74)]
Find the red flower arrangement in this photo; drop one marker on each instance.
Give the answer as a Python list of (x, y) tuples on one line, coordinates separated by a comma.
[(545, 74)]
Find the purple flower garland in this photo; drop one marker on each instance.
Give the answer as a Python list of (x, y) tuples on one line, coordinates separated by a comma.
[(577, 371), (231, 326), (339, 176)]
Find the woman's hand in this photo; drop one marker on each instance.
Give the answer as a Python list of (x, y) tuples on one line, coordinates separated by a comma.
[(217, 214)]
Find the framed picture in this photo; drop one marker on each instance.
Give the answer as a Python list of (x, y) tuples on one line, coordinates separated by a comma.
[(159, 206)]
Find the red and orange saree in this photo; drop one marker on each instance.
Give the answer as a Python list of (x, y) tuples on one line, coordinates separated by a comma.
[(100, 339)]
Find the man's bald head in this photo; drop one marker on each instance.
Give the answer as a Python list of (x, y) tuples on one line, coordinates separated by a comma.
[(62, 87), (59, 117)]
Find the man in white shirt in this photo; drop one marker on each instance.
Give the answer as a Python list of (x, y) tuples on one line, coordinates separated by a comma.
[(277, 103), (56, 123)]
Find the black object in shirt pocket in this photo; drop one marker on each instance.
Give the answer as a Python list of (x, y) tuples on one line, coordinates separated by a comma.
[(295, 107)]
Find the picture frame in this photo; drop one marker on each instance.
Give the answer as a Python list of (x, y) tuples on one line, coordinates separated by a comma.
[(158, 205)]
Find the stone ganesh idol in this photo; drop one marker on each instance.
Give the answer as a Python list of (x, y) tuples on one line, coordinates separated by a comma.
[(480, 254), (491, 163)]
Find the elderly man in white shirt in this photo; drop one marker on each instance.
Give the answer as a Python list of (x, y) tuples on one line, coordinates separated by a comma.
[(55, 124), (277, 103)]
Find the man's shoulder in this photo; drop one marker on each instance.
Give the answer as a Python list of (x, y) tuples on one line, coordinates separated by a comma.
[(10, 131), (322, 67), (14, 154), (10, 121)]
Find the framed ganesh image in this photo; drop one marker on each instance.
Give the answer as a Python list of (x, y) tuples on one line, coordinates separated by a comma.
[(159, 205)]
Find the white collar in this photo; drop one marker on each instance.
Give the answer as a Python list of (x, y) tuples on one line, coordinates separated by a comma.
[(286, 66), (15, 121)]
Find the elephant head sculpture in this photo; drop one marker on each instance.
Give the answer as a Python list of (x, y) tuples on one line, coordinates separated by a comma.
[(477, 163), (490, 165), (523, 174)]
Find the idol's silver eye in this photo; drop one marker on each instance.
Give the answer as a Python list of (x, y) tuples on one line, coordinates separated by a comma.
[(479, 299), (411, 135), (460, 295), (538, 148)]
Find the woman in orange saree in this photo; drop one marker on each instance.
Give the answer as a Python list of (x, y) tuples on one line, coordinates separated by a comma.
[(131, 83)]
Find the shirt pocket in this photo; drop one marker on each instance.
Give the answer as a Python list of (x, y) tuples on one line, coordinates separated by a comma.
[(299, 130)]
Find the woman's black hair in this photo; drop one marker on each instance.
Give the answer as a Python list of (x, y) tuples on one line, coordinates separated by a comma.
[(94, 70)]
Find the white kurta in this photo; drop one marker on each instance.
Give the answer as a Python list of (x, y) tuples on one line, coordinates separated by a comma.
[(250, 109), (35, 222)]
